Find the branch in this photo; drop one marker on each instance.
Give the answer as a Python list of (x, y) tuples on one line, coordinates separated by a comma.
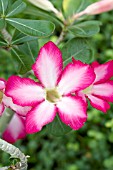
[(15, 153), (61, 37), (6, 35)]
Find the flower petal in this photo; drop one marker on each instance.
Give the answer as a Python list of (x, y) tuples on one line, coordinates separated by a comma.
[(103, 91), (72, 111), (39, 116), (1, 108), (98, 103), (76, 77), (15, 129), (103, 72), (18, 109), (48, 65), (24, 91)]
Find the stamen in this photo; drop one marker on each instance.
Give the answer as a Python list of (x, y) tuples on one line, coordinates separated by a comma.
[(52, 95), (1, 96)]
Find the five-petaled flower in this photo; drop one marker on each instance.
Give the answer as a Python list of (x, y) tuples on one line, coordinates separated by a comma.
[(54, 93), (100, 93)]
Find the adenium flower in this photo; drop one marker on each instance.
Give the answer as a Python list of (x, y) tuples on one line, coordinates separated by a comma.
[(54, 93), (15, 130), (96, 8), (100, 92), (6, 101)]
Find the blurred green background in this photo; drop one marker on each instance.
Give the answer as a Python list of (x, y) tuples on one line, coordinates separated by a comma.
[(90, 148)]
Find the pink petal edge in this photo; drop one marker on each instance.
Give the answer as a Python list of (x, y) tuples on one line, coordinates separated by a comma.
[(72, 111), (76, 77), (39, 116), (48, 65), (24, 91)]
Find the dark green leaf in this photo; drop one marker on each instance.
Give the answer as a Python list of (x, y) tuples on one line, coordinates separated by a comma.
[(78, 48), (25, 55), (24, 61), (16, 8), (72, 6), (2, 23), (85, 29), (57, 128), (19, 38), (42, 14), (3, 6), (30, 49), (36, 28)]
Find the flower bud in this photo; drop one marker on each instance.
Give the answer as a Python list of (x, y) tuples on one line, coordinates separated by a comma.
[(45, 5), (95, 8), (99, 7)]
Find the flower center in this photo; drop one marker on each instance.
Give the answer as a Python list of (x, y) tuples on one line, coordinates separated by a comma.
[(1, 96), (88, 90), (52, 95)]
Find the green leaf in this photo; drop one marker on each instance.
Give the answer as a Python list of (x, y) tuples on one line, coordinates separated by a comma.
[(21, 59), (72, 6), (57, 128), (16, 8), (42, 14), (78, 48), (19, 38), (36, 28), (2, 23), (25, 55), (3, 6), (85, 29), (29, 50)]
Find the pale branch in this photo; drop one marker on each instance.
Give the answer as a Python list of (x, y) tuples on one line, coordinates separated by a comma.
[(61, 38), (6, 35), (14, 153)]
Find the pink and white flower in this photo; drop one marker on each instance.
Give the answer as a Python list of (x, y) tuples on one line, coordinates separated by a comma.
[(54, 93), (100, 92), (15, 130)]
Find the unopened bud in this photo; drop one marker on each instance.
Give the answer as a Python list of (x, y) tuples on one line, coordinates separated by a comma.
[(96, 8), (45, 5), (99, 7)]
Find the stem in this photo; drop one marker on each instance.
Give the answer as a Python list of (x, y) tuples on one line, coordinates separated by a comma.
[(15, 153), (61, 37), (78, 15), (6, 35)]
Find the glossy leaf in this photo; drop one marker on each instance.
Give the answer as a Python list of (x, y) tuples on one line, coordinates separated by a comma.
[(42, 14), (3, 6), (2, 23), (85, 29), (36, 28), (72, 6), (25, 55), (57, 128), (78, 48), (20, 38), (16, 8)]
